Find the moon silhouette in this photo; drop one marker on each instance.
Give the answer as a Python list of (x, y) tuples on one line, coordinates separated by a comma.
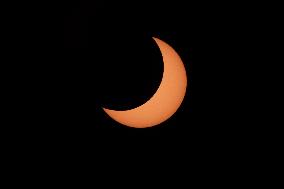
[(167, 99)]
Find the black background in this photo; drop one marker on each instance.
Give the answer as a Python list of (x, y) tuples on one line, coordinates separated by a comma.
[(124, 69), (103, 55), (69, 65)]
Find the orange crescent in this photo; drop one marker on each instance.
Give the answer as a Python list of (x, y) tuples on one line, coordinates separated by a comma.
[(167, 99)]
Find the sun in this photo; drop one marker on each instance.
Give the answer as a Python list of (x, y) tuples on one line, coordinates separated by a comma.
[(167, 99)]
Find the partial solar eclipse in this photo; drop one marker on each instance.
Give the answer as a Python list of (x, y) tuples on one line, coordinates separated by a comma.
[(167, 99)]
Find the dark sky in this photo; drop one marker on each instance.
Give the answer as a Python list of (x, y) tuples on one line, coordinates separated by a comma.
[(104, 56)]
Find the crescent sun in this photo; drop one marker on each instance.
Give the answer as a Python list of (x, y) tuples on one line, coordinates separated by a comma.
[(167, 99)]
